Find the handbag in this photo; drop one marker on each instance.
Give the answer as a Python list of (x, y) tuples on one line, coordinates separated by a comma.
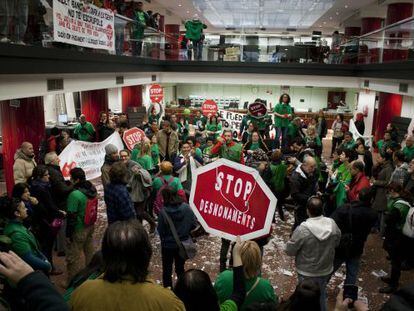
[(187, 248), (55, 225)]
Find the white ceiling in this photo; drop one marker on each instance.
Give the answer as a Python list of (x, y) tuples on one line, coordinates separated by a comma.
[(274, 16)]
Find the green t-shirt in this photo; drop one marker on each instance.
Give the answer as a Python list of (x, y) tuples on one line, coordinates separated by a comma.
[(140, 18), (232, 153), (293, 130), (146, 162), (76, 204), (315, 140), (135, 152), (263, 291), (409, 153), (254, 146), (198, 152), (85, 132), (403, 209), (348, 145), (279, 172), (281, 108), (175, 183)]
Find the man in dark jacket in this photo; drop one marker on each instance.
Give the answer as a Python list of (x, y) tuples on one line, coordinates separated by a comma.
[(60, 192), (303, 185), (355, 221)]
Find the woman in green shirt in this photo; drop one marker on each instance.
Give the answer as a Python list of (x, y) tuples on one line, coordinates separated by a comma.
[(313, 141), (283, 114), (256, 142), (213, 127), (145, 159), (155, 151), (342, 176)]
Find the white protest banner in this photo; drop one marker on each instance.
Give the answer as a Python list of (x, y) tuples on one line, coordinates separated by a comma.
[(88, 156), (231, 120), (79, 23)]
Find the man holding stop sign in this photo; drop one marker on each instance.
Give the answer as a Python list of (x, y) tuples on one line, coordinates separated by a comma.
[(232, 200)]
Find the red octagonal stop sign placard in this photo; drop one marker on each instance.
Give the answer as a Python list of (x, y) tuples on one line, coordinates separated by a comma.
[(133, 136), (230, 199), (156, 93), (209, 108)]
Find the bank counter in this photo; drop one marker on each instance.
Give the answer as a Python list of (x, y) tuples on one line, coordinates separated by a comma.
[(329, 115)]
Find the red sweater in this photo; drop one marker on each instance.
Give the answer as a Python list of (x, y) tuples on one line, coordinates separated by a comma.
[(358, 183), (216, 149)]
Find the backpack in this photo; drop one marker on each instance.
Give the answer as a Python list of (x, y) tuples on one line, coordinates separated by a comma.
[(159, 202), (408, 228), (91, 211)]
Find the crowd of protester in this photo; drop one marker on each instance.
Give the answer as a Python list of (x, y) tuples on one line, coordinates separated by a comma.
[(337, 201)]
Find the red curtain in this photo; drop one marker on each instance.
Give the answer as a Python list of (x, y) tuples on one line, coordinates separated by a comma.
[(25, 123), (131, 97), (369, 24), (92, 103), (389, 106), (172, 33)]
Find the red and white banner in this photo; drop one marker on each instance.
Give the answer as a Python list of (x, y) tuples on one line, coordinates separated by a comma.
[(78, 23), (230, 200), (133, 136), (209, 108), (88, 156), (156, 93)]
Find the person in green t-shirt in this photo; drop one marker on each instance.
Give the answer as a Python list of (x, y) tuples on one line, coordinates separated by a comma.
[(226, 148), (386, 145), (348, 142), (256, 142), (155, 151), (313, 141), (409, 148), (294, 130), (140, 23), (23, 242), (283, 114), (84, 131), (213, 127), (257, 288), (145, 157), (342, 176), (166, 168), (79, 236)]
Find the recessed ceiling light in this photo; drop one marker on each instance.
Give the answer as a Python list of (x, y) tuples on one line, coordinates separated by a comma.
[(337, 13), (320, 26), (330, 17), (324, 23), (188, 12), (180, 5), (346, 6)]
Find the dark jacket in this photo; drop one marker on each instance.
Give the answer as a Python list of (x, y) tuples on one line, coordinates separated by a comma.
[(360, 126), (368, 163), (184, 221), (323, 128), (59, 188), (42, 192), (40, 294), (104, 131), (302, 186), (118, 202), (363, 219), (380, 186)]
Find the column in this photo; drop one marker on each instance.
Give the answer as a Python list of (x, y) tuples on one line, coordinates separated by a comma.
[(397, 12), (172, 33), (19, 124), (370, 54), (92, 103), (351, 33), (389, 106), (131, 97)]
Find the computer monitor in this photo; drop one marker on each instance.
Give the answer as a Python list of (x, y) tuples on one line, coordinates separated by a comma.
[(63, 118)]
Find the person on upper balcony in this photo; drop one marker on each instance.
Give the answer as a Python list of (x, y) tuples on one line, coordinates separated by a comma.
[(141, 19), (13, 22), (194, 32)]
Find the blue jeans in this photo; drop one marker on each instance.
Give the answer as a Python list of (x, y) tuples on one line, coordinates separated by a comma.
[(198, 49), (322, 281), (352, 268), (282, 131)]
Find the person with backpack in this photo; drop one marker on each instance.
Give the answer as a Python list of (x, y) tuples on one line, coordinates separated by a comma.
[(175, 223), (82, 210), (166, 180), (355, 221), (398, 236)]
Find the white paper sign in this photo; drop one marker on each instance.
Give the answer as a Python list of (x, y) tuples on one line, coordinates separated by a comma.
[(88, 156), (78, 23)]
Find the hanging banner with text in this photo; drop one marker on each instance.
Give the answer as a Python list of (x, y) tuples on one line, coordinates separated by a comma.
[(88, 156), (78, 23)]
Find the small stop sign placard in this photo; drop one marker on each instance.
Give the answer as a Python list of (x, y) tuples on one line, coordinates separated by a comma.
[(156, 93), (133, 136), (209, 107), (230, 200)]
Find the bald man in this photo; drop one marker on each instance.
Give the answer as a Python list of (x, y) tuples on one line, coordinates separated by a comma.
[(24, 163), (303, 185), (84, 131)]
